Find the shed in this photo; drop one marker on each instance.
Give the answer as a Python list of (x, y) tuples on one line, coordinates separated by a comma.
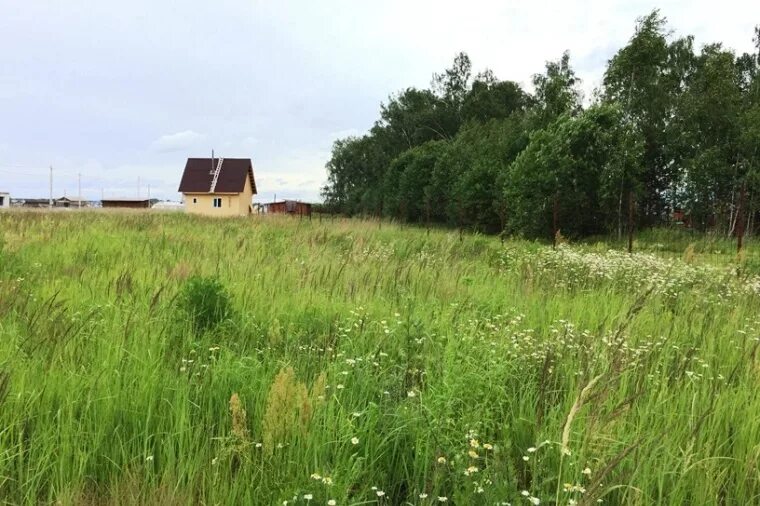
[(125, 203), (5, 200), (295, 207), (37, 203)]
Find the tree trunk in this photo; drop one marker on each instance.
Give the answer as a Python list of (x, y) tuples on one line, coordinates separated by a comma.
[(740, 219), (631, 206), (555, 220)]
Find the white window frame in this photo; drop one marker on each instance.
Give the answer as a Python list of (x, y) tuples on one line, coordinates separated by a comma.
[(217, 203)]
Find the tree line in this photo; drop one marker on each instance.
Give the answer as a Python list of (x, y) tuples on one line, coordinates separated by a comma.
[(673, 133)]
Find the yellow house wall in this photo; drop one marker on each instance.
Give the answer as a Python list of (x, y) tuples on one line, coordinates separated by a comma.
[(233, 204), (244, 202)]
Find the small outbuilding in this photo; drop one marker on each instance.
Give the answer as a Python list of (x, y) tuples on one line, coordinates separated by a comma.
[(5, 200), (125, 203), (34, 203), (294, 207), (167, 205)]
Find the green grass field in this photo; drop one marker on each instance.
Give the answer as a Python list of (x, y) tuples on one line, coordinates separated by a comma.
[(165, 359)]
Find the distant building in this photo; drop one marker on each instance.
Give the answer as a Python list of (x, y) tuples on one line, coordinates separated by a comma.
[(125, 203), (218, 186), (70, 202), (168, 206), (288, 207), (5, 200), (34, 203)]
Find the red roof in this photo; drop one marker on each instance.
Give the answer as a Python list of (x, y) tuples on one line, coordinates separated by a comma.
[(198, 175)]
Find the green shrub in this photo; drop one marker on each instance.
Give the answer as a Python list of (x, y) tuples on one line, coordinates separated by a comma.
[(205, 303)]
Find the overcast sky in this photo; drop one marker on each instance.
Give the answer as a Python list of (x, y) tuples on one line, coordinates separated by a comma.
[(124, 90)]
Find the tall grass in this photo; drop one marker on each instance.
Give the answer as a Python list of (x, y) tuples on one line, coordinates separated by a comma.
[(369, 365)]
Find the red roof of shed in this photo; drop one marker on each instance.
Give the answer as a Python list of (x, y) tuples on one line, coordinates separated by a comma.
[(198, 175)]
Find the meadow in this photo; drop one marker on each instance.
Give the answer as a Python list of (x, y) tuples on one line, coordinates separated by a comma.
[(169, 359)]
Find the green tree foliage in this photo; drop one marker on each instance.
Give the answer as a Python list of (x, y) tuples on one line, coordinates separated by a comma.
[(710, 114), (669, 129), (556, 92), (646, 77), (578, 164)]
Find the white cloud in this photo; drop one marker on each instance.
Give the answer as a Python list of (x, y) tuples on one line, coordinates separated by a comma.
[(177, 142)]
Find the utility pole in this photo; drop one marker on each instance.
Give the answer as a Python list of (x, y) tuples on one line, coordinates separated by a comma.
[(138, 187), (79, 190), (51, 187), (148, 192)]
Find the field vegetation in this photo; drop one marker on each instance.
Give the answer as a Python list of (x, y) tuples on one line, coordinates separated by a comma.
[(166, 359)]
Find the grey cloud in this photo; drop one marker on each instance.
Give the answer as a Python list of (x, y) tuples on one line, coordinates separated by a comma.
[(128, 90)]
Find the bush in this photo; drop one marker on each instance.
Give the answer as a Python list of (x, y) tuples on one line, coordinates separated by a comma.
[(205, 303)]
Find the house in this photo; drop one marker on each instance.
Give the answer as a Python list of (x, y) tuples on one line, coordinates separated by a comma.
[(5, 200), (218, 186), (70, 202), (294, 207), (125, 203)]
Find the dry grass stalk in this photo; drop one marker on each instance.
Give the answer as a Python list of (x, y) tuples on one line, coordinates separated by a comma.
[(290, 407), (574, 410), (239, 419)]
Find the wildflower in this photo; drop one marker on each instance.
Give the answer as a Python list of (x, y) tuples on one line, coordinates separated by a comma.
[(488, 446), (340, 387), (525, 493), (587, 471), (473, 454), (480, 490), (411, 393), (354, 440), (308, 497), (423, 495), (327, 480), (566, 451), (331, 502), (531, 450), (149, 458), (315, 476), (441, 460), (442, 498), (534, 500), (526, 458), (470, 470), (474, 443), (572, 502), (380, 493)]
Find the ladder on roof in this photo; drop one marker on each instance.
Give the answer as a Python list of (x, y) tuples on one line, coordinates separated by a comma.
[(216, 175)]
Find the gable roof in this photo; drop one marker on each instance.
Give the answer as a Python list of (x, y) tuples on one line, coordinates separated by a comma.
[(198, 175)]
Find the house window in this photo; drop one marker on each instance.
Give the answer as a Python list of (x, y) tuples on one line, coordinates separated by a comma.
[(195, 201), (218, 202)]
